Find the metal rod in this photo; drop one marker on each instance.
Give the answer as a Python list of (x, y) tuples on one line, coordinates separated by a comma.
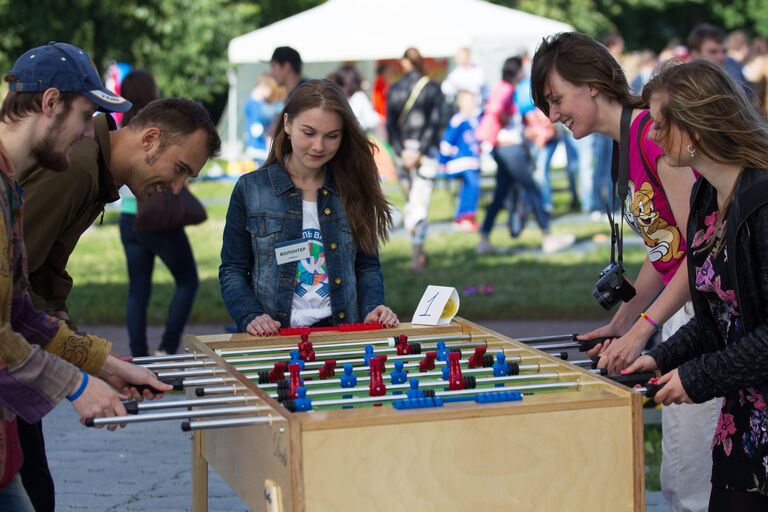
[(173, 404), (542, 339), (430, 384), (554, 346), (366, 378), (174, 415), (390, 398), (200, 363), (583, 362), (344, 353), (169, 357), (248, 371), (234, 422), (190, 373), (389, 341), (204, 381), (220, 390)]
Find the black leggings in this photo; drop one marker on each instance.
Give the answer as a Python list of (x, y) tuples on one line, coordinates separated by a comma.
[(727, 500)]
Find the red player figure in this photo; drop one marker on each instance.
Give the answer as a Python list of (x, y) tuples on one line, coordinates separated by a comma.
[(278, 371), (376, 386), (295, 380), (476, 361), (403, 348), (455, 380), (428, 363), (328, 369), (306, 351)]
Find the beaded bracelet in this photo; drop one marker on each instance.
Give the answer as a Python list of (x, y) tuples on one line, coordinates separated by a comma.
[(79, 391), (650, 320)]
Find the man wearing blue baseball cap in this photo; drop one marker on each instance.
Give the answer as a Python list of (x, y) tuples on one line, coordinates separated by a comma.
[(54, 91), (67, 68)]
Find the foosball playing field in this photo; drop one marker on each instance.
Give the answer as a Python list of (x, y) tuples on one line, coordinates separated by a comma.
[(453, 417)]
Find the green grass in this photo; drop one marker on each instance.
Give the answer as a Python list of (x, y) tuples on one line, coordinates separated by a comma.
[(527, 286), (652, 448)]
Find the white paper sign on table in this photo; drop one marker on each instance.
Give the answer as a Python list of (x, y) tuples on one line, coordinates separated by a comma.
[(438, 306)]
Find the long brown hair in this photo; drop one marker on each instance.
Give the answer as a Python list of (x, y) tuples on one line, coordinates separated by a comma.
[(580, 60), (704, 102), (352, 167)]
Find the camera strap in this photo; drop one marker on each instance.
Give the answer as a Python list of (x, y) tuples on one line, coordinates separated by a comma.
[(620, 178)]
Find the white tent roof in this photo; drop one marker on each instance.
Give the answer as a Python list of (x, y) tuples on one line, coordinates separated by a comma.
[(341, 30)]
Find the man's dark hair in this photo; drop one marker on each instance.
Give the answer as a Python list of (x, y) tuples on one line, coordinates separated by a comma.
[(283, 54), (703, 32), (511, 69), (18, 105), (611, 39), (177, 118)]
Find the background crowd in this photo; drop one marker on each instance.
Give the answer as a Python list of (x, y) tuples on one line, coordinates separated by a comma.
[(451, 127)]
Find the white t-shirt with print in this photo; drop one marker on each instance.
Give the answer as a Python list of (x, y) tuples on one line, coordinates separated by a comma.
[(312, 291)]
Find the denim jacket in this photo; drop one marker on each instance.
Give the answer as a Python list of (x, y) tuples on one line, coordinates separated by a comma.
[(265, 210)]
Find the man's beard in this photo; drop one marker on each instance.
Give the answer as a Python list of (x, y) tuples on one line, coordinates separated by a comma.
[(44, 152)]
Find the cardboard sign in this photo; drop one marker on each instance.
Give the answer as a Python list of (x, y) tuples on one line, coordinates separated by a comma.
[(438, 306), (292, 250)]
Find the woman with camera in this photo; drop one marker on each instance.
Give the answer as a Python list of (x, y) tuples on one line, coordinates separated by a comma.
[(705, 121), (577, 82)]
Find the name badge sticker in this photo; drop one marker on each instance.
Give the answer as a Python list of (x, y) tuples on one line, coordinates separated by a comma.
[(292, 250)]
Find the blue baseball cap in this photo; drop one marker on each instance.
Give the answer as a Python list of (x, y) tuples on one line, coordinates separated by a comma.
[(67, 68)]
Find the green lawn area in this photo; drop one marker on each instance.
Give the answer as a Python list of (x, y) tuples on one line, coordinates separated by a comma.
[(527, 286)]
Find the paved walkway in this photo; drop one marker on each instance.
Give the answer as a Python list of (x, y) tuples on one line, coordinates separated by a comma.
[(146, 466)]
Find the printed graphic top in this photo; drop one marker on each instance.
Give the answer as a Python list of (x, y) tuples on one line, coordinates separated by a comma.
[(311, 293), (648, 211)]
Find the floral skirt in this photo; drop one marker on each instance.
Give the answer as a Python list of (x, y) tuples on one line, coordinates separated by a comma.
[(740, 443)]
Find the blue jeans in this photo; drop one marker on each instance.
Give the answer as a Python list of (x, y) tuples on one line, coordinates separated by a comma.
[(514, 169), (172, 246), (602, 186), (544, 165), (14, 498), (470, 194)]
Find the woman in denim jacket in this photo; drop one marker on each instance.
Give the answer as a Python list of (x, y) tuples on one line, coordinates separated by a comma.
[(704, 121), (302, 233)]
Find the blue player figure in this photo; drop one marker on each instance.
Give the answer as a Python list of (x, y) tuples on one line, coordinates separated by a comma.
[(348, 379), (369, 354), (296, 359), (442, 351), (302, 403), (500, 367), (414, 392), (398, 375)]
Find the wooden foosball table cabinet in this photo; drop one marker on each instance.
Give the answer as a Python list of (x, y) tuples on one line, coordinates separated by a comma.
[(573, 448)]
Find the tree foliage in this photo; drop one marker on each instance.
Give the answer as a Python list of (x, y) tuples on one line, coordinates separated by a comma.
[(182, 42), (649, 23)]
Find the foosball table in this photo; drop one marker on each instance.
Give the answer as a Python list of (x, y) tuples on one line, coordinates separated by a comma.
[(454, 417)]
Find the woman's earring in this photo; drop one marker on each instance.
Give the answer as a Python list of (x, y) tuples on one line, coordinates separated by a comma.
[(691, 150)]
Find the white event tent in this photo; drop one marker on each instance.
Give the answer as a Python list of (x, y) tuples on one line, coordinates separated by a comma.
[(368, 30)]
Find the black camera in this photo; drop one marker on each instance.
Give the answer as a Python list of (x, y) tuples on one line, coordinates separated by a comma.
[(612, 287)]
